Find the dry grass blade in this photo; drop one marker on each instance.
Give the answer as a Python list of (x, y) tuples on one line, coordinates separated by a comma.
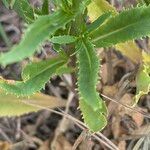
[(79, 124), (138, 144), (126, 106), (62, 125), (104, 140), (81, 137)]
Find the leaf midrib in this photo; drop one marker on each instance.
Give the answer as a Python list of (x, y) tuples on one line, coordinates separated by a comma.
[(118, 30), (48, 67), (48, 25), (88, 55)]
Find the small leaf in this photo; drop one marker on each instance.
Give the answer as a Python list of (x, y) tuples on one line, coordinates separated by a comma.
[(10, 105), (88, 73), (35, 35), (128, 25), (64, 70), (24, 10), (63, 39), (98, 22), (143, 78), (34, 76), (45, 7), (95, 120)]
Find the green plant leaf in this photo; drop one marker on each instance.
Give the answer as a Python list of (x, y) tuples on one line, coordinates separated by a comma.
[(63, 39), (95, 120), (24, 10), (143, 78), (5, 2), (98, 22), (147, 2), (4, 36), (9, 3), (129, 24), (35, 35), (142, 82), (10, 105), (34, 76), (79, 6), (129, 49), (45, 7), (88, 73), (64, 70)]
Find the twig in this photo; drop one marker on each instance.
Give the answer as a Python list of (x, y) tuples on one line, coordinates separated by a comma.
[(54, 90), (126, 106), (61, 127), (5, 136), (110, 77), (18, 133), (81, 137), (111, 145), (77, 122), (106, 139)]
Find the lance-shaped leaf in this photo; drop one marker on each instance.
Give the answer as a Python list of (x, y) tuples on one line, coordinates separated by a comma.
[(129, 24), (100, 20), (129, 49), (10, 105), (63, 39), (35, 35), (88, 73), (95, 120), (45, 7), (34, 76)]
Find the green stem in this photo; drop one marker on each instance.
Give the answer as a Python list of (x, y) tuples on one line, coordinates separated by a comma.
[(4, 36)]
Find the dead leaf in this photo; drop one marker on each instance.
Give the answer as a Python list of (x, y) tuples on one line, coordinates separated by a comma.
[(122, 145), (110, 91), (62, 143), (5, 145), (103, 73), (45, 146), (137, 117), (115, 127), (10, 105), (143, 130)]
